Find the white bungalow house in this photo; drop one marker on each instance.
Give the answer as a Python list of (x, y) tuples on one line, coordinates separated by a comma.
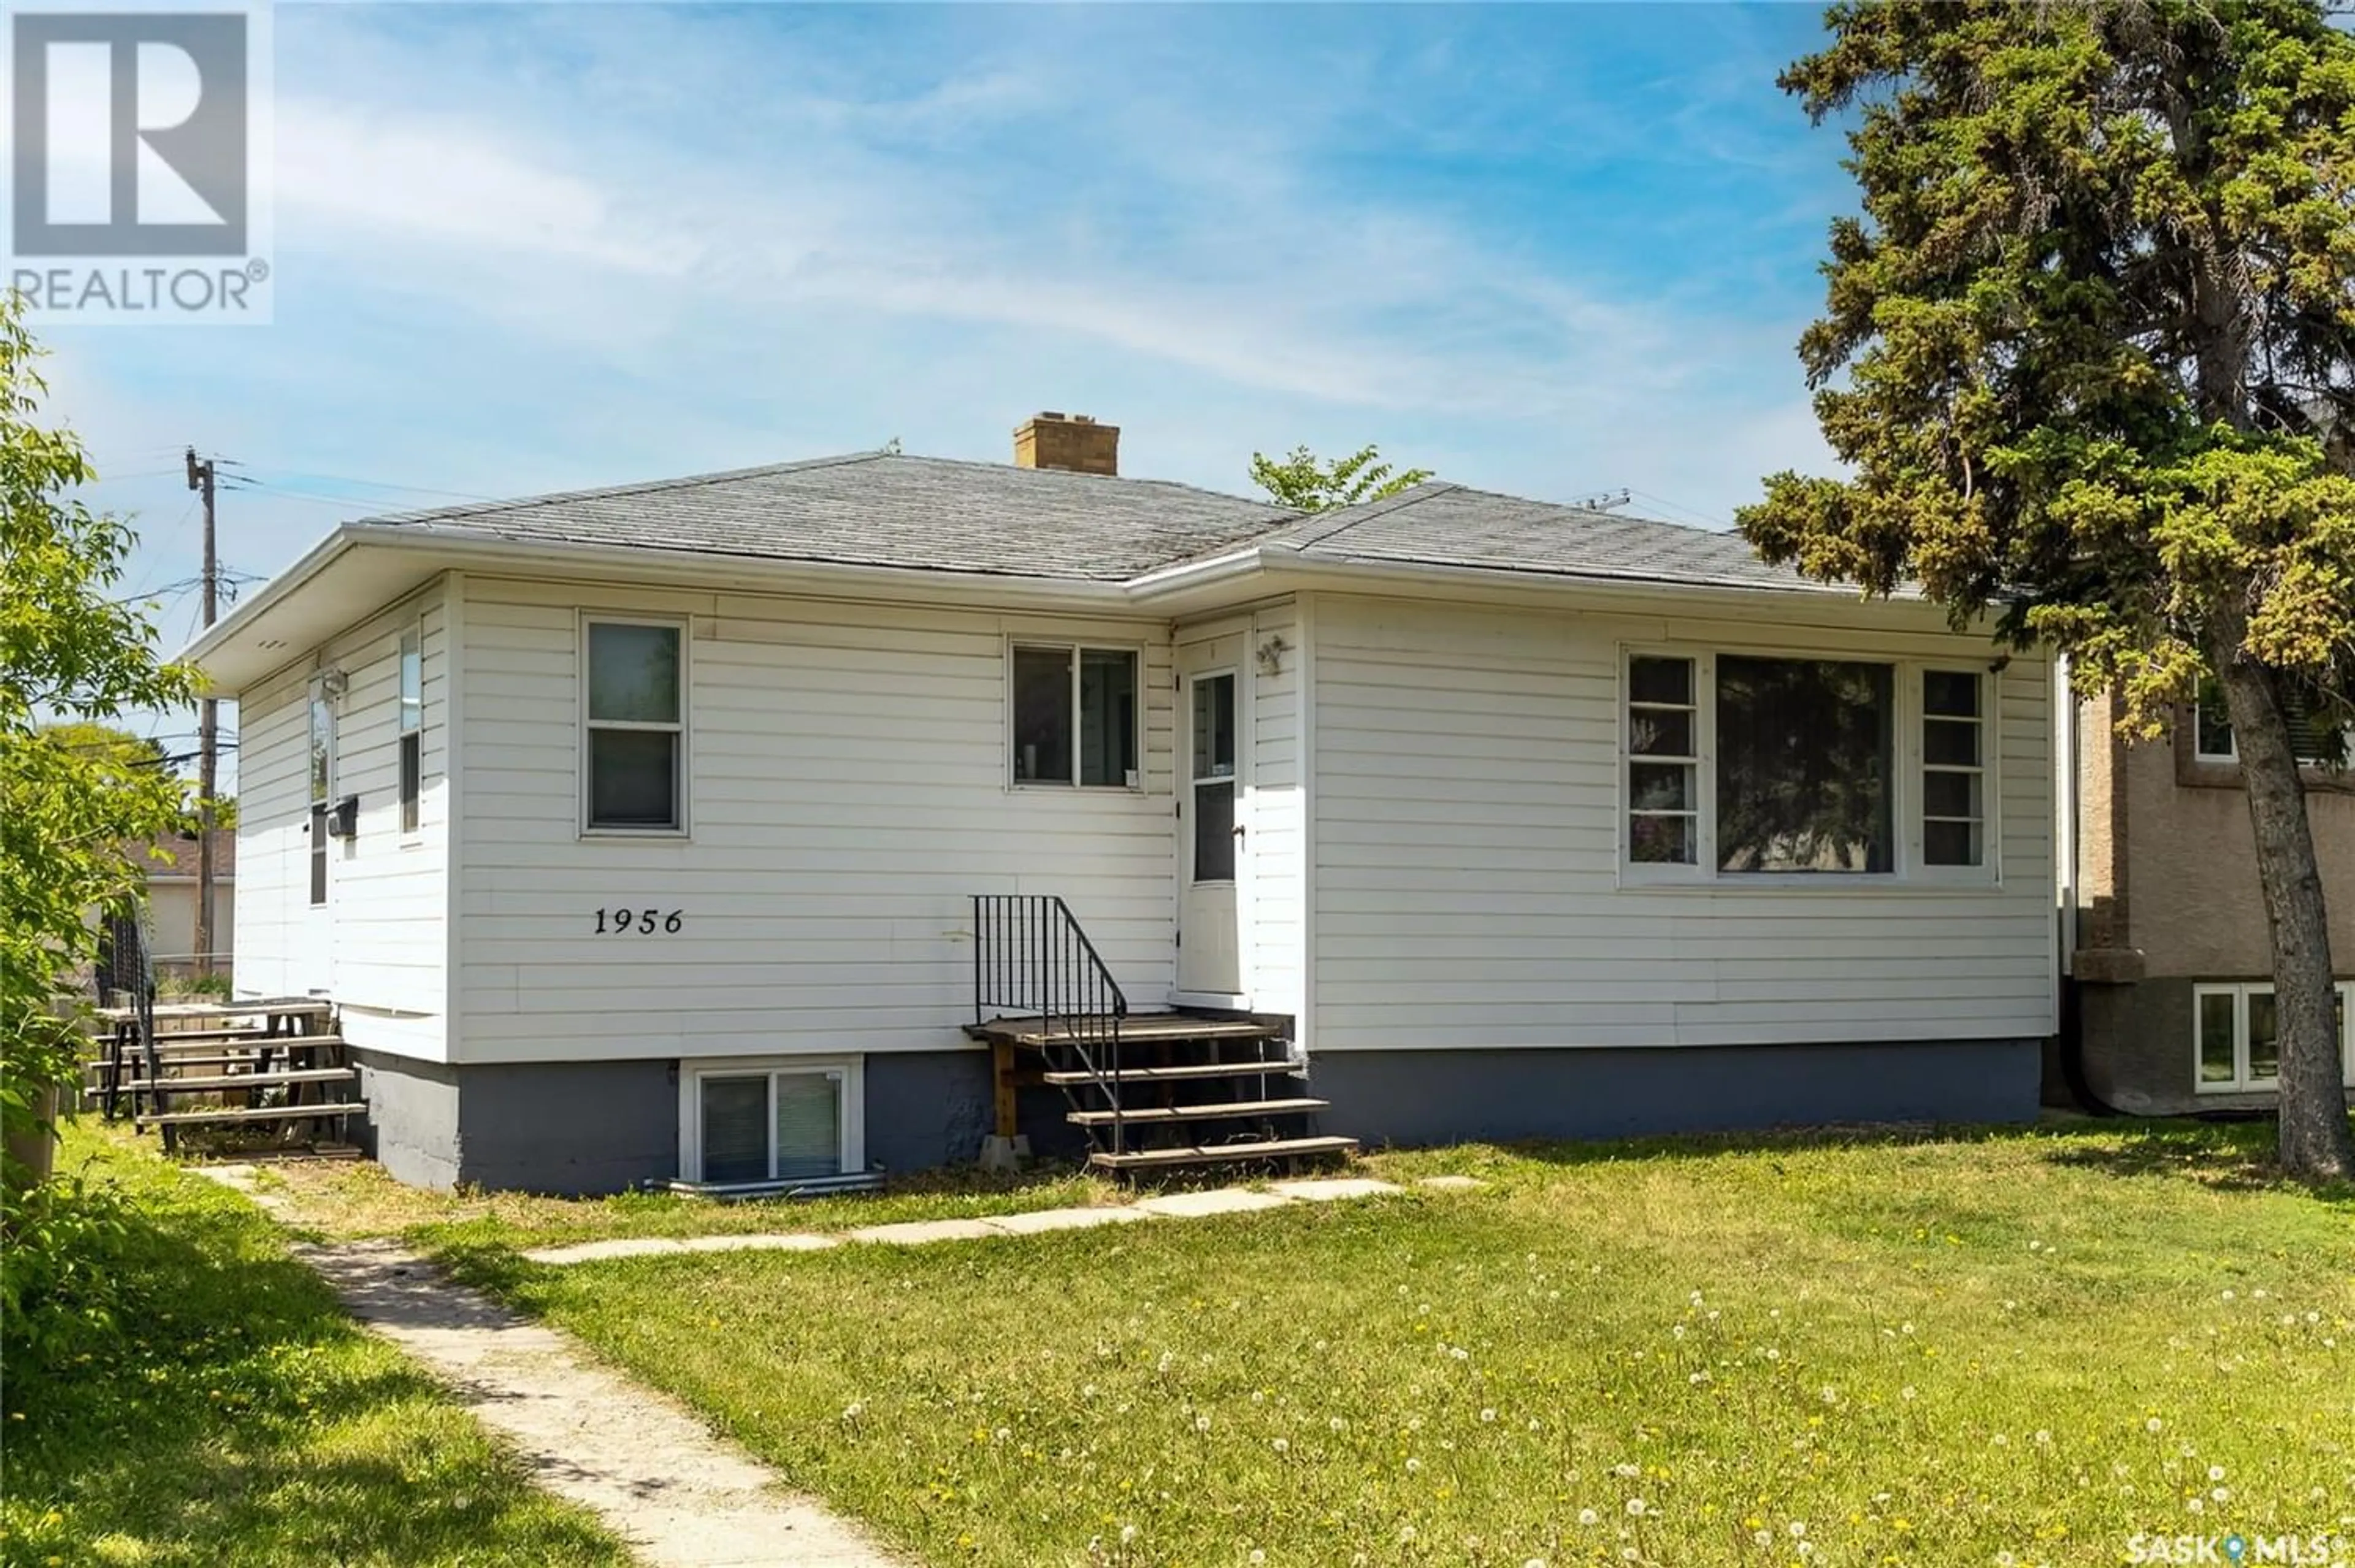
[(685, 831)]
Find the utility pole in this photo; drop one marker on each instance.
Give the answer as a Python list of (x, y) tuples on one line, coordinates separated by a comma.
[(200, 479)]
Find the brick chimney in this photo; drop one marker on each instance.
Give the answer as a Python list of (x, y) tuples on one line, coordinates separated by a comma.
[(1068, 440)]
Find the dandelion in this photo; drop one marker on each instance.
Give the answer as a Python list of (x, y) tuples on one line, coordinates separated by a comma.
[(1587, 1516), (2154, 1425), (2043, 1439), (1908, 1392), (1282, 1445), (1201, 1424), (853, 1411), (1127, 1534), (1257, 1555), (1635, 1508), (1487, 1416), (1414, 1466), (2223, 1494), (1627, 1472), (1406, 1535), (1799, 1528)]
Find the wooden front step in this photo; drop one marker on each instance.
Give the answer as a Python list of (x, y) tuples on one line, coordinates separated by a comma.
[(1221, 1154), (1171, 1074), (241, 1081), (1165, 1114), (1143, 1028), (268, 1114)]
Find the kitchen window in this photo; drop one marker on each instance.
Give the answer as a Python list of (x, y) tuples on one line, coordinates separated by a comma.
[(1074, 715)]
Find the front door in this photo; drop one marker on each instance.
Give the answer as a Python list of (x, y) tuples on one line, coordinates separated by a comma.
[(314, 965), (1211, 837)]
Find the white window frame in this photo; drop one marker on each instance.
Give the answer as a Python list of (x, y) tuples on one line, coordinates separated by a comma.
[(2232, 753), (1079, 649), (851, 1134), (1907, 865), (1915, 799), (319, 780), (2240, 991), (682, 729), (409, 733)]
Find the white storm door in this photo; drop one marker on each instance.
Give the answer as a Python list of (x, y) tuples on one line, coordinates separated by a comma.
[(314, 950), (1211, 837)]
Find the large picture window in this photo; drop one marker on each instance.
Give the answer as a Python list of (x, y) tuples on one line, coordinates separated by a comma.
[(2236, 1038), (636, 713), (1074, 715), (1803, 765), (1747, 766)]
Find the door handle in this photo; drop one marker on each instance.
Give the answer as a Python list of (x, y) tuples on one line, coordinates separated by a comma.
[(1239, 830)]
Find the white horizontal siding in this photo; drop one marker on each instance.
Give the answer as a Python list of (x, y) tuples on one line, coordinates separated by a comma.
[(847, 796), (1468, 864), (381, 951), (272, 894), (1274, 814)]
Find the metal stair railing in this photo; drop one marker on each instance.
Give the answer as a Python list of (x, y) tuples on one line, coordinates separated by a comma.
[(1030, 957)]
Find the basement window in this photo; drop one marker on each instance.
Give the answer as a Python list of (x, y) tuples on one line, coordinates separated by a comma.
[(2236, 1038), (634, 734), (1075, 711), (744, 1124)]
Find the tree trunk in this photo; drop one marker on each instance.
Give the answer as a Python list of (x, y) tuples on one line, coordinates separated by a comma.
[(2316, 1140)]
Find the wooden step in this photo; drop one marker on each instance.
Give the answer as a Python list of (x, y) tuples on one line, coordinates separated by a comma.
[(136, 1063), (1199, 1113), (1171, 1074), (1138, 1028), (245, 1039), (241, 1081), (269, 1114), (1215, 1154)]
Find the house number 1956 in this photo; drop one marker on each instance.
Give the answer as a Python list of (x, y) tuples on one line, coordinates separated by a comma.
[(644, 922)]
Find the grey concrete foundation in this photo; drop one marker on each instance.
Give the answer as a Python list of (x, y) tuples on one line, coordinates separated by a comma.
[(2137, 1044), (1453, 1096), (586, 1127)]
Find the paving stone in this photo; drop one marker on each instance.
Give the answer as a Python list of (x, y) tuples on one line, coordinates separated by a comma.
[(600, 1251), (918, 1232), (1332, 1189), (1217, 1200), (1033, 1224), (1452, 1183), (762, 1241)]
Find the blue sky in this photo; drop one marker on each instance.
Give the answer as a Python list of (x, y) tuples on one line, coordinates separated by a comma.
[(1549, 250)]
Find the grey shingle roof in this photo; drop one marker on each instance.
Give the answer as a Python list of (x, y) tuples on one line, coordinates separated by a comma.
[(941, 515), (885, 509), (1439, 524)]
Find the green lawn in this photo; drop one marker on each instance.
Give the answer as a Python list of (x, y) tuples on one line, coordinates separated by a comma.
[(234, 1416), (1932, 1352)]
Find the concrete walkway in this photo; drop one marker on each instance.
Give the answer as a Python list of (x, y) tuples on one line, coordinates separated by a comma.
[(651, 1472), (647, 1467), (920, 1232)]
